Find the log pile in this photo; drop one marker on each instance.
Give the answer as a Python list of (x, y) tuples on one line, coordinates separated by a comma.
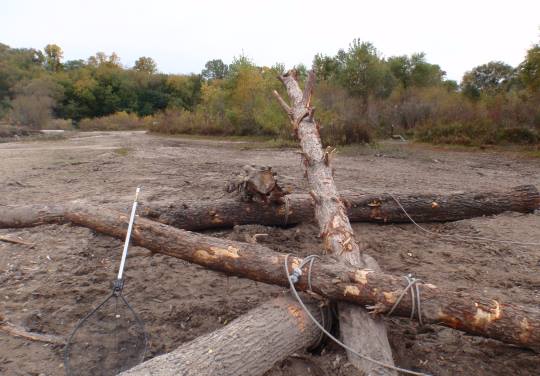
[(251, 344), (471, 312)]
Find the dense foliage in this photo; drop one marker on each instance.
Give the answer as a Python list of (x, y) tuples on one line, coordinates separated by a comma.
[(360, 94)]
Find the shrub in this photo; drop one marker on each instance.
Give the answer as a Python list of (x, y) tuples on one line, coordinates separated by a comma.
[(518, 135), (344, 119), (475, 134), (175, 121), (120, 121), (7, 131), (31, 110), (63, 124)]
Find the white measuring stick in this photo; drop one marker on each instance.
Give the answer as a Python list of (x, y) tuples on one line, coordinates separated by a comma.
[(128, 235)]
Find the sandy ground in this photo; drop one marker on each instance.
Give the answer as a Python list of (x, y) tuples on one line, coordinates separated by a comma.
[(50, 286)]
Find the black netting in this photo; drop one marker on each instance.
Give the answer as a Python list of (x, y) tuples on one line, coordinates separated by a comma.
[(111, 339)]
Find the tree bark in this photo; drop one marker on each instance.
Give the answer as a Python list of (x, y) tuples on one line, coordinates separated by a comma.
[(360, 331), (248, 346), (196, 215), (471, 312)]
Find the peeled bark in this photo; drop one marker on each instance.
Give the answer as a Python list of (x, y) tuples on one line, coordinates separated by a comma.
[(197, 215), (248, 346), (471, 312), (360, 331)]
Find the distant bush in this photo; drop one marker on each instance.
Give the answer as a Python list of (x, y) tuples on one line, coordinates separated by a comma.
[(455, 133), (120, 121), (7, 131), (63, 124), (31, 110), (342, 116), (175, 121), (475, 134), (517, 135)]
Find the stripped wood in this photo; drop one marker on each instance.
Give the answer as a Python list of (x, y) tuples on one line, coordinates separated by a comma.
[(359, 330), (195, 215)]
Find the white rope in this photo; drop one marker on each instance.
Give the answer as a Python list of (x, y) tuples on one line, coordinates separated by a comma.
[(461, 237), (286, 198), (412, 284), (297, 273)]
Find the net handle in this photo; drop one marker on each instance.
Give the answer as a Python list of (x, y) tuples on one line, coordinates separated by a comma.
[(128, 235)]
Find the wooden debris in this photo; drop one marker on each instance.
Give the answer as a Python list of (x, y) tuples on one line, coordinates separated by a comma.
[(379, 208), (359, 330), (9, 239), (471, 311), (19, 331)]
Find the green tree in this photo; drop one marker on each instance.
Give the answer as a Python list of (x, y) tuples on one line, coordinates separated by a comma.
[(451, 85), (363, 73), (184, 90), (401, 68), (101, 58), (16, 65), (215, 70), (529, 70), (145, 64), (325, 67), (424, 74), (490, 78), (415, 71), (53, 57), (72, 65)]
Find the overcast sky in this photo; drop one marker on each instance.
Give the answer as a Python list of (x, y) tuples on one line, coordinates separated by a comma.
[(182, 35)]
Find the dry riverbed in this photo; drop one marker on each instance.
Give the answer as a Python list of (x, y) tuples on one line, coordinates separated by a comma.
[(49, 286)]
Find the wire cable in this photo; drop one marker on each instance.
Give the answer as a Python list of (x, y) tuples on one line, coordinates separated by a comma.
[(461, 237), (297, 272)]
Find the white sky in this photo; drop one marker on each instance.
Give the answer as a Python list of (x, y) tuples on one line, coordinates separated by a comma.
[(182, 35)]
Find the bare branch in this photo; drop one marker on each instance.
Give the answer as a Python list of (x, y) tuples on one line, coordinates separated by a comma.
[(18, 331), (283, 104)]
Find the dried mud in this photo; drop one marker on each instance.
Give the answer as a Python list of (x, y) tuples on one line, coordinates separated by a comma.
[(48, 287)]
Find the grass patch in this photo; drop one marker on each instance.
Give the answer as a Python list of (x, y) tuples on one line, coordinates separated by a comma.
[(476, 134), (123, 151), (242, 142), (380, 148)]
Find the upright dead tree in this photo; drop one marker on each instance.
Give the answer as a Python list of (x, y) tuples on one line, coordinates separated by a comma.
[(359, 330)]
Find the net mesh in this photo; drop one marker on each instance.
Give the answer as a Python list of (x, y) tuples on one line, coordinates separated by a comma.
[(109, 340)]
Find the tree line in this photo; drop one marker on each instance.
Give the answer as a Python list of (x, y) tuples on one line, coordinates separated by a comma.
[(360, 94)]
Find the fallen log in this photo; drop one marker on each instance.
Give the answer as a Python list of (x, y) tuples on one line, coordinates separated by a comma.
[(201, 215), (249, 346), (360, 331), (470, 312)]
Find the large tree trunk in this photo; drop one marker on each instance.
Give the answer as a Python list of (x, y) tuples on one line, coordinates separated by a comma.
[(248, 346), (196, 215), (471, 312), (359, 330)]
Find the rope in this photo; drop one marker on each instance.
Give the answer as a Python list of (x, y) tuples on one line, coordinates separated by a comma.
[(412, 284), (286, 210), (294, 278), (462, 237)]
